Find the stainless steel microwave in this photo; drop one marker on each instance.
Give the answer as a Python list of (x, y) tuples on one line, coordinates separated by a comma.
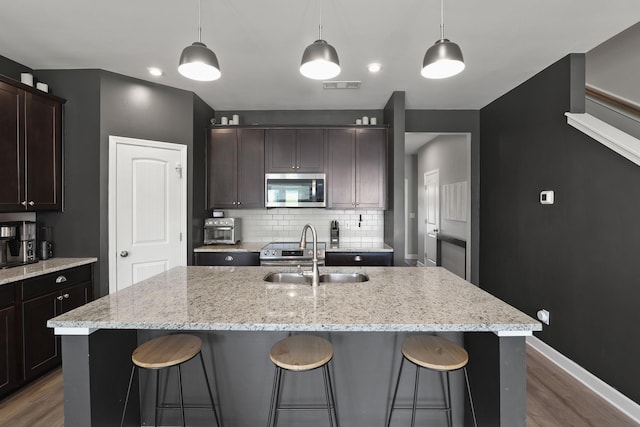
[(295, 190)]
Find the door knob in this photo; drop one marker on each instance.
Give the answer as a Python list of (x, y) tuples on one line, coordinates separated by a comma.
[(124, 254)]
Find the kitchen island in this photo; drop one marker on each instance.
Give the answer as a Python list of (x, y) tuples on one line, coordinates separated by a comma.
[(239, 316)]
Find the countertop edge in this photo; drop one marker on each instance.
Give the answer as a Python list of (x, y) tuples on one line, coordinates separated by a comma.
[(16, 274), (296, 327), (256, 246)]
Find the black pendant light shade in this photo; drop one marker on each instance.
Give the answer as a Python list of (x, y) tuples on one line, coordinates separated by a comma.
[(443, 59), (320, 61), (198, 62)]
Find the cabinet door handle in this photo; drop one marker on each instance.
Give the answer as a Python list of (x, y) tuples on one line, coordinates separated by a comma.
[(233, 203), (357, 258), (31, 203), (61, 279), (239, 203), (65, 296), (59, 297), (228, 258), (293, 167), (23, 203), (124, 254)]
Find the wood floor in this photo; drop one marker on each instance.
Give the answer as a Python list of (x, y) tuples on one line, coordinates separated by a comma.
[(554, 399)]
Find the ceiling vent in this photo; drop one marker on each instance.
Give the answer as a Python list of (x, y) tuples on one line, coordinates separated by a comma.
[(354, 84)]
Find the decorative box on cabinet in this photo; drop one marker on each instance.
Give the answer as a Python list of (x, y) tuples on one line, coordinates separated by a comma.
[(299, 150), (235, 168), (30, 148), (384, 259), (228, 258), (8, 340), (43, 298), (356, 168)]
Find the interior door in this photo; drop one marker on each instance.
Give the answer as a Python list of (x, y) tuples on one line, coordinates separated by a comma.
[(148, 212), (432, 217)]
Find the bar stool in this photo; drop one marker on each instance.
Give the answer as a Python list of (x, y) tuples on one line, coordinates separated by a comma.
[(437, 354), (299, 353), (165, 352)]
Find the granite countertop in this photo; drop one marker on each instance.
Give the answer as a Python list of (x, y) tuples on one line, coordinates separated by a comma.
[(256, 246), (15, 274), (240, 247), (236, 298)]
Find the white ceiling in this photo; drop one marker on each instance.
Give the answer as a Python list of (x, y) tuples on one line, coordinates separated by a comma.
[(259, 44)]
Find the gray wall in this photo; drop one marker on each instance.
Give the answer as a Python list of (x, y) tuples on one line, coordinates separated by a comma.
[(394, 216), (577, 258), (614, 65), (449, 154), (99, 104), (411, 175), (457, 121)]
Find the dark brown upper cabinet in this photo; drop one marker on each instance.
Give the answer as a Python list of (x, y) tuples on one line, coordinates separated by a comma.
[(356, 168), (235, 168), (294, 150), (30, 149)]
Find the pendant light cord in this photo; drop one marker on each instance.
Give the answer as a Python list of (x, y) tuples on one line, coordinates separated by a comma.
[(441, 19), (320, 26), (199, 21)]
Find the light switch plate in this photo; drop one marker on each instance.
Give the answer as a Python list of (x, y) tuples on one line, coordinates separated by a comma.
[(546, 197)]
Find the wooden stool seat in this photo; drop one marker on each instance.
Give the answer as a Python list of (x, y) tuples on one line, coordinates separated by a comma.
[(166, 351), (433, 352), (301, 352)]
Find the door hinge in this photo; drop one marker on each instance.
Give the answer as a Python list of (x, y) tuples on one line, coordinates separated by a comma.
[(179, 170)]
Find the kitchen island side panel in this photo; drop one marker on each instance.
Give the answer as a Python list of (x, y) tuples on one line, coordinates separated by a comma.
[(96, 371)]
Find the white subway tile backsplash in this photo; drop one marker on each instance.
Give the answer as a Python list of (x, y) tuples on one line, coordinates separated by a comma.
[(281, 224)]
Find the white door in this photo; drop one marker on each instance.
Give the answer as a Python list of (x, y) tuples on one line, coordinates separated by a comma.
[(147, 220), (432, 217)]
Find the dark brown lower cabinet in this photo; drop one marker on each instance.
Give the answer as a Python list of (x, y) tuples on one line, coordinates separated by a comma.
[(43, 298), (228, 258), (8, 371), (358, 258)]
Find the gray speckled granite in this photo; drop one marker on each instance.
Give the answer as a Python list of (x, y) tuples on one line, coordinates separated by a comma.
[(240, 247), (52, 265), (236, 298), (256, 246), (360, 247)]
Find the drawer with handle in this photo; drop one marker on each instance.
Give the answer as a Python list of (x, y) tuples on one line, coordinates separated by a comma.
[(228, 258), (51, 282), (359, 258)]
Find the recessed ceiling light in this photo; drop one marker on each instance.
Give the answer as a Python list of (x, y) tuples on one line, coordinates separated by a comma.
[(154, 71), (374, 67)]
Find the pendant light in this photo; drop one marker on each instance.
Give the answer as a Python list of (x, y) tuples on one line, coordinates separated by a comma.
[(320, 59), (198, 62), (444, 58)]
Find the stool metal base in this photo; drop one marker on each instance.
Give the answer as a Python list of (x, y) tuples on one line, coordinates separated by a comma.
[(181, 405), (444, 377), (276, 392)]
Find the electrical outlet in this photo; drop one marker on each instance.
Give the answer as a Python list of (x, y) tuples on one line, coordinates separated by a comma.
[(544, 316)]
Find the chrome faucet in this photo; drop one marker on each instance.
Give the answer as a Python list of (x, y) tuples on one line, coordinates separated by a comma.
[(315, 274)]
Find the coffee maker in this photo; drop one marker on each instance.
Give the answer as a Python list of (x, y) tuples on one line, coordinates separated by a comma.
[(17, 243)]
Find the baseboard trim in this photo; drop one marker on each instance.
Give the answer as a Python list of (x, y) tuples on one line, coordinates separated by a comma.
[(411, 256), (420, 264), (602, 389)]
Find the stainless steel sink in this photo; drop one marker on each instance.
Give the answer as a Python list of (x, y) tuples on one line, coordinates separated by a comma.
[(343, 278), (297, 278)]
